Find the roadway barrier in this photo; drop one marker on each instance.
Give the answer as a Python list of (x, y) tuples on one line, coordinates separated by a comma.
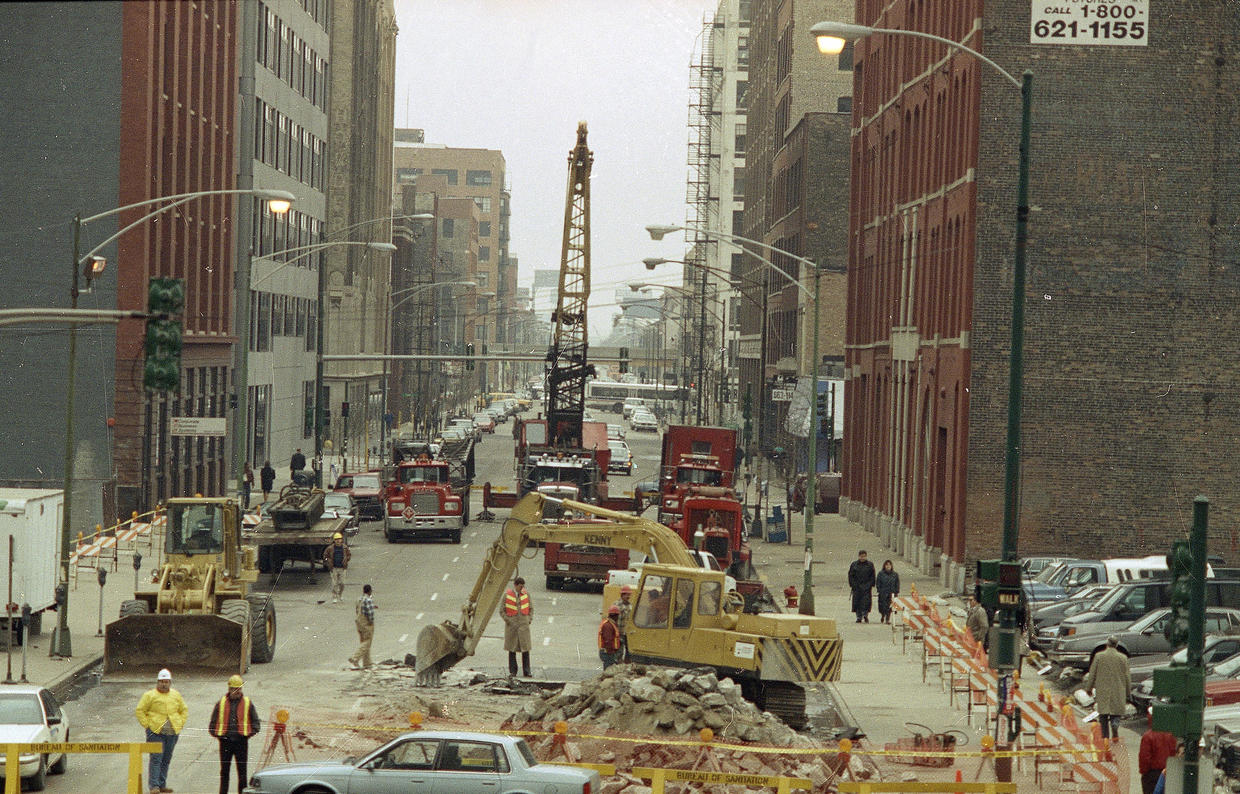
[(659, 777), (12, 755), (866, 787)]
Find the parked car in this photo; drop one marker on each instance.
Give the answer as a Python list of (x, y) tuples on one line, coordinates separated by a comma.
[(644, 422), (1072, 575), (1129, 601), (1217, 648), (457, 761), (1044, 622), (1226, 670), (338, 504), (1143, 636), (1033, 566), (484, 422), (467, 427), (31, 713), (366, 488), (615, 431), (621, 457), (630, 406)]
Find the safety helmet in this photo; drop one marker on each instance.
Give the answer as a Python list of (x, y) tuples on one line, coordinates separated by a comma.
[(164, 675), (337, 536), (626, 590), (235, 682), (613, 610)]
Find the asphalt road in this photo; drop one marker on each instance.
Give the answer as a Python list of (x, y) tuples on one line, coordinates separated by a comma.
[(415, 584)]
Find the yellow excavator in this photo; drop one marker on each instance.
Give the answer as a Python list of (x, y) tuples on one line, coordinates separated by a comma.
[(681, 616), (198, 615)]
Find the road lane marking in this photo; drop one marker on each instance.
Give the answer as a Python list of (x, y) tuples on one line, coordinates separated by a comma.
[(434, 596), (464, 546), (403, 637), (419, 617), (553, 602), (445, 577), (456, 559), (546, 640), (551, 618)]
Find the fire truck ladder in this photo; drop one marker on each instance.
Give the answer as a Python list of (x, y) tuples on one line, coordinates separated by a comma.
[(567, 367)]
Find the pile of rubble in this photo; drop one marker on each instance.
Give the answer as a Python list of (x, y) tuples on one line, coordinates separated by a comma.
[(664, 704)]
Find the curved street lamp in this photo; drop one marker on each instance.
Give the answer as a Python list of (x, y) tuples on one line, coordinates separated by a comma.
[(830, 37), (657, 232), (91, 266)]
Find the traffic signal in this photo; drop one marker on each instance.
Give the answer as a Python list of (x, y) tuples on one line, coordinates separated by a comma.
[(1180, 565), (165, 298), (469, 357), (1179, 694), (986, 584), (1009, 585), (624, 360)]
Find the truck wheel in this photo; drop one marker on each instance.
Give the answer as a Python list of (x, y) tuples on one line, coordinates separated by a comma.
[(455, 536), (134, 607), (554, 583), (465, 509), (386, 534), (264, 559), (262, 628)]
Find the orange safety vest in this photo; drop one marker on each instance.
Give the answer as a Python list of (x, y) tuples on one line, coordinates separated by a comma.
[(243, 717), (516, 605), (613, 640)]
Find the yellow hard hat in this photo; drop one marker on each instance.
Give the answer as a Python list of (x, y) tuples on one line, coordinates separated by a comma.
[(235, 682), (337, 536)]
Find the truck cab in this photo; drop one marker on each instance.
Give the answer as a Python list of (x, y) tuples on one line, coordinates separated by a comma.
[(421, 500)]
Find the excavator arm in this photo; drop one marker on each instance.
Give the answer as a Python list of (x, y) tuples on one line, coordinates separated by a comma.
[(442, 646)]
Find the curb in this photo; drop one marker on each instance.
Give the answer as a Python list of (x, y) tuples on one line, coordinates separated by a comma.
[(66, 682)]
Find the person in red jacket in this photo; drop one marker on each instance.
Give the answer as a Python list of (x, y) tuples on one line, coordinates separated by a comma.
[(609, 637), (1156, 748)]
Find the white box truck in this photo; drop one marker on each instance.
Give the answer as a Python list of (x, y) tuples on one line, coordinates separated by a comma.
[(32, 516)]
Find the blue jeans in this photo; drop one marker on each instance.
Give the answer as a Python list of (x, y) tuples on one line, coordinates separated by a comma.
[(157, 769), (609, 658)]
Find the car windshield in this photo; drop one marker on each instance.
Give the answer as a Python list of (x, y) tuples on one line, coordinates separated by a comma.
[(20, 709), (366, 481), (621, 448), (484, 418), (1045, 576), (1149, 620), (1226, 668), (337, 501)]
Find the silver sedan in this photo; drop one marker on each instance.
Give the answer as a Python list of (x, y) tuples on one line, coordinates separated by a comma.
[(1145, 636), (430, 761)]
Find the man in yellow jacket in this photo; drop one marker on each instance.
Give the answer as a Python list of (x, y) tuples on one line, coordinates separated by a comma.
[(162, 712)]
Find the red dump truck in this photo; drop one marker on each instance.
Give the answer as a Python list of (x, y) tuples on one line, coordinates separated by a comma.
[(427, 492)]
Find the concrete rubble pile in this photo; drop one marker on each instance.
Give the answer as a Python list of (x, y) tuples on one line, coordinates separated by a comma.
[(633, 700)]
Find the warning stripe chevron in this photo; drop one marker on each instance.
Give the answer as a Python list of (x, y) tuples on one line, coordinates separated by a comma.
[(801, 659)]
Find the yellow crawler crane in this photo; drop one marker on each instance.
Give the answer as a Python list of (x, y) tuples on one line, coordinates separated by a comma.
[(680, 617), (198, 616)]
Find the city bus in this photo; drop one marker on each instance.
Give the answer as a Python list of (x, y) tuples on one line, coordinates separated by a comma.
[(610, 396)]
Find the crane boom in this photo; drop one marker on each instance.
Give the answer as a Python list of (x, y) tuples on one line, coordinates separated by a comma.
[(568, 369)]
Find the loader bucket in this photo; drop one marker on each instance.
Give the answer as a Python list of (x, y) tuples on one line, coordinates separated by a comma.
[(138, 646), (439, 647)]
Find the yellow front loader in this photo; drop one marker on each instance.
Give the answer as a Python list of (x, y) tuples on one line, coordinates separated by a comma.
[(199, 615)]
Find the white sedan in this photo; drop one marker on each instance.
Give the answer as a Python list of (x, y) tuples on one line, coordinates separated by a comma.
[(32, 714), (644, 422)]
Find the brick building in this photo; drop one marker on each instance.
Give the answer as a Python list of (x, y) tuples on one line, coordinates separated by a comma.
[(1131, 303)]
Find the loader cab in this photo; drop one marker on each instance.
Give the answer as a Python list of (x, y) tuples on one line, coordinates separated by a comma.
[(195, 528), (671, 601)]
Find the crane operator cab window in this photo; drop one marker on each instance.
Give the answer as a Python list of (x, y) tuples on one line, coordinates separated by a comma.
[(710, 597), (651, 610), (195, 529), (682, 615)]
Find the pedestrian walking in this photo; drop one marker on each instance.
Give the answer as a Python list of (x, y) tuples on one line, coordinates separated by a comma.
[(296, 465), (1110, 681), (365, 621), (247, 485), (624, 608), (162, 712), (233, 721), (609, 637), (1156, 748), (267, 478), (887, 583), (861, 582), (336, 560), (976, 620), (518, 614)]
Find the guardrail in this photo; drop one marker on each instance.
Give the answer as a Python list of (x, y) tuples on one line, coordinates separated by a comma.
[(13, 752)]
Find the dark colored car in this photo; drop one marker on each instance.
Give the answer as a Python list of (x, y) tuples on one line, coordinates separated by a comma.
[(1217, 648), (338, 504), (1226, 670), (1144, 636), (366, 488)]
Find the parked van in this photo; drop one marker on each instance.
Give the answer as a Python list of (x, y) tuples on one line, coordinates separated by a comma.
[(1072, 575)]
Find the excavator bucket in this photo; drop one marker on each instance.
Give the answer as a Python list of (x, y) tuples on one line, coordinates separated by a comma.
[(439, 647), (138, 646)]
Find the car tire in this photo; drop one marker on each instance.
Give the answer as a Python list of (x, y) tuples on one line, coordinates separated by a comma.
[(38, 781), (60, 766)]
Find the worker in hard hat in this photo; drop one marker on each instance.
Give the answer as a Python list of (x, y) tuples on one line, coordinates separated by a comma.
[(609, 638), (625, 605), (162, 712), (233, 721), (336, 560)]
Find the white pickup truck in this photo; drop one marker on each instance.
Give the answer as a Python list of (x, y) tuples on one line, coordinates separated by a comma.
[(633, 574)]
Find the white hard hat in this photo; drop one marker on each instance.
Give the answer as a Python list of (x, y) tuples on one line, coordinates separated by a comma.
[(164, 675)]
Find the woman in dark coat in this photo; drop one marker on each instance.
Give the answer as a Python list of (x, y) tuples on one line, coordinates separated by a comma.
[(267, 478), (888, 585)]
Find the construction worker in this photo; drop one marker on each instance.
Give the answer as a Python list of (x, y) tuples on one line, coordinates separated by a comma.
[(609, 637), (162, 712), (233, 721), (365, 621), (518, 613), (625, 607), (336, 560)]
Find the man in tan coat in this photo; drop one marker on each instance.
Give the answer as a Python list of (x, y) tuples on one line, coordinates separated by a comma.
[(518, 613), (1110, 681)]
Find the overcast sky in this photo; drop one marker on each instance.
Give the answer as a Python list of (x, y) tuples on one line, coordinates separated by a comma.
[(517, 75)]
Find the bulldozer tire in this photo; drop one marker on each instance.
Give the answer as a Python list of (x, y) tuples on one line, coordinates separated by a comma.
[(236, 610), (134, 607), (264, 559), (262, 628)]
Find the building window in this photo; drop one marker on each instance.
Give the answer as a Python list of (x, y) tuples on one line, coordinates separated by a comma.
[(844, 104), (738, 221), (483, 278), (312, 326), (450, 174), (742, 52), (483, 203), (484, 228), (738, 182), (478, 178), (742, 90), (448, 229), (405, 176), (484, 253), (741, 128), (307, 426), (738, 266), (743, 11), (846, 57)]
